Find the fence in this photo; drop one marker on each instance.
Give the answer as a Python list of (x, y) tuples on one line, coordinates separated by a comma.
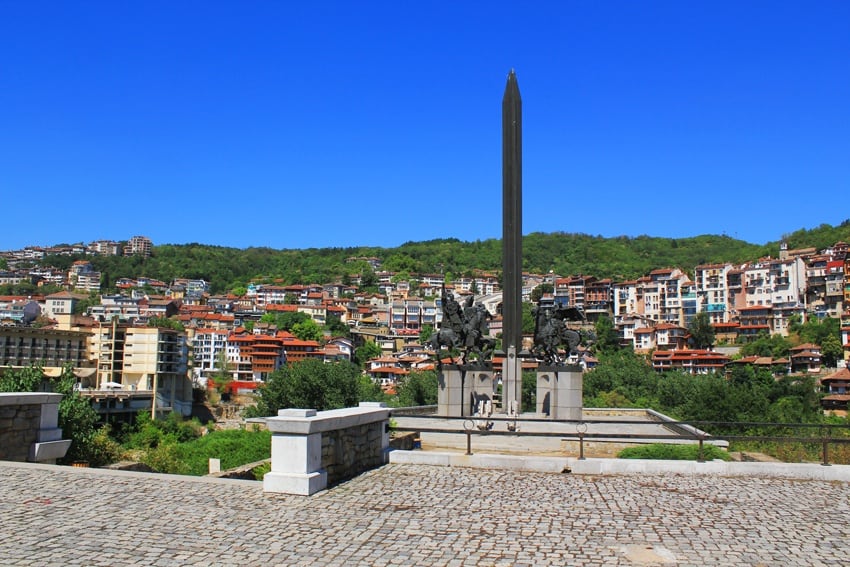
[(697, 432)]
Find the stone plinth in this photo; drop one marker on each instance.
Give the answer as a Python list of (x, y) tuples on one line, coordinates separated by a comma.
[(559, 392), (311, 449), (29, 427), (460, 388)]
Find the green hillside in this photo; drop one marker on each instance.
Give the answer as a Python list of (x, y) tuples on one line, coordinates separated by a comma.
[(564, 253)]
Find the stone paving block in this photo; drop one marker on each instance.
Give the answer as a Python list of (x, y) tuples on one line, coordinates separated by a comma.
[(405, 514)]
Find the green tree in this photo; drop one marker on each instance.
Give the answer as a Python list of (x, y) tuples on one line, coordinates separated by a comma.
[(309, 384), (365, 352), (425, 334), (308, 330), (418, 389), (369, 390), (541, 290), (607, 338), (831, 350), (528, 322), (223, 374), (336, 327), (702, 333)]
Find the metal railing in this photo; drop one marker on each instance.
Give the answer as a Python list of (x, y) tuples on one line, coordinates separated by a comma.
[(822, 434)]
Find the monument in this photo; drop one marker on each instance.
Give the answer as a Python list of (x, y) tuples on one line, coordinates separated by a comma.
[(469, 388), (512, 246)]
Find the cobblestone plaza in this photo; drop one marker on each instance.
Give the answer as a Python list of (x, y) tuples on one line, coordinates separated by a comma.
[(419, 515)]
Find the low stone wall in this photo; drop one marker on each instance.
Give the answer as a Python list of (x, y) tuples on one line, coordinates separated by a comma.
[(350, 451), (29, 428), (312, 450)]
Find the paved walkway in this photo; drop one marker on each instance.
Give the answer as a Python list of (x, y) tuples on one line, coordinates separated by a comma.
[(419, 515)]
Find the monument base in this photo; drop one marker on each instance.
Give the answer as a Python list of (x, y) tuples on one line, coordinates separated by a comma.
[(559, 392), (462, 388)]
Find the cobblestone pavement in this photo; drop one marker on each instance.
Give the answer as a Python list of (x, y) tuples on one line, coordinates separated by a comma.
[(419, 515)]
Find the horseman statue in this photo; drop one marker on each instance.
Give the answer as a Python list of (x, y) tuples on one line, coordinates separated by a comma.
[(551, 331), (464, 328)]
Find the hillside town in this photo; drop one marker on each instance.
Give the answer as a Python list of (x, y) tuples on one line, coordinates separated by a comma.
[(153, 342)]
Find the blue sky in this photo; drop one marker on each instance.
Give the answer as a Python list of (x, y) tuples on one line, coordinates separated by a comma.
[(314, 124)]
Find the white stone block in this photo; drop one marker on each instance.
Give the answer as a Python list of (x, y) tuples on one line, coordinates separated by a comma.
[(293, 483)]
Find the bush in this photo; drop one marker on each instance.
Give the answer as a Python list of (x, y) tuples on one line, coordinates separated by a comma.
[(663, 451), (103, 449), (165, 458), (235, 447)]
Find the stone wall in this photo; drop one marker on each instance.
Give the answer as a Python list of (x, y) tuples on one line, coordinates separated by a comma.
[(29, 427), (348, 452), (18, 430), (311, 450)]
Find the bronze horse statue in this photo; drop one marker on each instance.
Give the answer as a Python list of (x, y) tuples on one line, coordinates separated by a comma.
[(551, 331), (470, 338)]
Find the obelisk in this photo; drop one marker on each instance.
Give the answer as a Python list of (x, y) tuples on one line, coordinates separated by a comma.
[(512, 245)]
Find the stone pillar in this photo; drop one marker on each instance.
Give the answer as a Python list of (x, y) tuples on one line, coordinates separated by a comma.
[(482, 388), (559, 392), (296, 458), (452, 398)]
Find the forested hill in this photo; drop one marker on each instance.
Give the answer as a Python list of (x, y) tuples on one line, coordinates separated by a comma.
[(564, 253)]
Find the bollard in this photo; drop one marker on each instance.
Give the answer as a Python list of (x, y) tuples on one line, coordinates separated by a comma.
[(700, 454), (581, 428), (825, 462), (467, 426)]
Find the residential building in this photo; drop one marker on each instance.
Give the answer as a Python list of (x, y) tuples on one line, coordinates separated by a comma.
[(712, 289), (144, 359), (806, 358), (48, 348), (836, 386), (138, 245), (690, 361)]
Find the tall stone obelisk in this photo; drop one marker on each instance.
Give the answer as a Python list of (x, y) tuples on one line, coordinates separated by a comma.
[(512, 245)]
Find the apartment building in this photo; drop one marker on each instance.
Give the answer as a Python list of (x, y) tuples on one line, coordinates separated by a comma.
[(144, 359), (48, 348), (712, 289), (138, 245)]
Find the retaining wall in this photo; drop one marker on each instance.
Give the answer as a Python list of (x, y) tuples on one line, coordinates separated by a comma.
[(29, 427), (312, 450)]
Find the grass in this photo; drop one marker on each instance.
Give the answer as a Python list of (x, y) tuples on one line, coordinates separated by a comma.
[(663, 451)]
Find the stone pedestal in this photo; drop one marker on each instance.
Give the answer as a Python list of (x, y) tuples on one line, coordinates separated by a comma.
[(482, 387), (461, 388), (559, 392)]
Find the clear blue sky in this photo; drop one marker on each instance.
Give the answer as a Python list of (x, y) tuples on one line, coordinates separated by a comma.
[(313, 124)]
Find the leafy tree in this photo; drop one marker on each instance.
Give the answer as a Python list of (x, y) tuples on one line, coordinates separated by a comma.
[(607, 338), (528, 322), (702, 333), (816, 331), (418, 389), (223, 376), (309, 384), (775, 346), (831, 350), (369, 390), (541, 290), (425, 334), (165, 323), (365, 352), (308, 330), (336, 327), (626, 373)]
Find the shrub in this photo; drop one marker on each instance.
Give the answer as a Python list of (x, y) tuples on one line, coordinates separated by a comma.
[(663, 451), (165, 458)]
